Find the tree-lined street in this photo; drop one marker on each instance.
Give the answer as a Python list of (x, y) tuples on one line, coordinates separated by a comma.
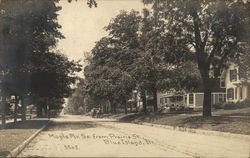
[(181, 63), (81, 136)]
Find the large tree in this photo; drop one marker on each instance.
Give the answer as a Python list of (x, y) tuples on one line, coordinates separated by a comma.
[(106, 80), (52, 76), (141, 51), (29, 34), (161, 62), (212, 29)]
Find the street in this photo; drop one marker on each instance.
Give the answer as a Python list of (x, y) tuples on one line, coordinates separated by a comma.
[(81, 136)]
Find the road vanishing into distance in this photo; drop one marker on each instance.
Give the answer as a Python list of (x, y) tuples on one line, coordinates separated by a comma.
[(82, 136)]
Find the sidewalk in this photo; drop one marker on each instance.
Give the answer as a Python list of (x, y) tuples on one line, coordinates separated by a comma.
[(16, 134)]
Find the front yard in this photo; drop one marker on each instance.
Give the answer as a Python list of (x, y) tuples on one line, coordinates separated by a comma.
[(15, 134), (233, 121)]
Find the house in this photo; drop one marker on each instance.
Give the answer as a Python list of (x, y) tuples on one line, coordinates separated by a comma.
[(237, 89), (169, 98), (231, 86), (193, 99)]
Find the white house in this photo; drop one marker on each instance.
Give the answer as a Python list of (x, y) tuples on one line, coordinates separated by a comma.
[(193, 99), (168, 98), (236, 89)]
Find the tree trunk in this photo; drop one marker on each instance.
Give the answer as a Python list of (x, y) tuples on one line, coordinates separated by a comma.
[(207, 94), (15, 109), (23, 110), (107, 108), (207, 103), (45, 107), (131, 107), (39, 110), (48, 108), (104, 108), (49, 112), (136, 106), (125, 107), (3, 108), (144, 100), (155, 100), (112, 107)]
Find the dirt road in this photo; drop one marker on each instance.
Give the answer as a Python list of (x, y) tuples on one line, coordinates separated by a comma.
[(80, 136)]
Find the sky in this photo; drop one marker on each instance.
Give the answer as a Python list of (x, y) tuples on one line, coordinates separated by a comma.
[(83, 26)]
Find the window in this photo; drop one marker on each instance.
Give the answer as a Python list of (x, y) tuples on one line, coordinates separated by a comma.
[(230, 93), (222, 83), (233, 75), (191, 98), (241, 93)]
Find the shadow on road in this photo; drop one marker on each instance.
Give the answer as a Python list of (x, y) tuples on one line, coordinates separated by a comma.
[(130, 118), (4, 153), (28, 124), (151, 116), (107, 121), (71, 125)]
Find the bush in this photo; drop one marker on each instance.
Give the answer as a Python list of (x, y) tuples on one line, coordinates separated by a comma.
[(238, 105), (163, 109), (244, 104), (179, 107), (230, 105), (218, 105)]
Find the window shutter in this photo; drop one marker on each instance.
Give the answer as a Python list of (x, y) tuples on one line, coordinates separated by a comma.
[(236, 93), (241, 93), (235, 74), (232, 93), (231, 75), (240, 73), (228, 93)]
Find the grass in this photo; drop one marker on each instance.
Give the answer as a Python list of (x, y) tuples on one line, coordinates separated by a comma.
[(15, 134), (232, 121)]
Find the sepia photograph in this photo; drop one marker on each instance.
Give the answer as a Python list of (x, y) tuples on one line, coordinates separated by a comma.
[(125, 78)]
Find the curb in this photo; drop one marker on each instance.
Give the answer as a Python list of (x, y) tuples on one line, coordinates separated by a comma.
[(198, 131), (15, 152)]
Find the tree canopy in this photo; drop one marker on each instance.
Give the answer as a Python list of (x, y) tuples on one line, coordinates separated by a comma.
[(30, 65), (137, 54), (212, 30)]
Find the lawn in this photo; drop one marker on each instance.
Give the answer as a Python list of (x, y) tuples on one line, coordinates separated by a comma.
[(233, 121), (15, 134)]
